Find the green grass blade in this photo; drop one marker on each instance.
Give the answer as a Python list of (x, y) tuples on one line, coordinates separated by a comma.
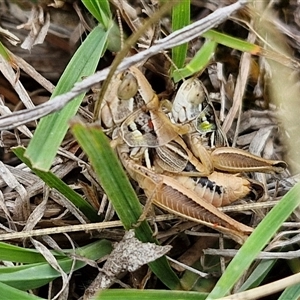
[(245, 46), (232, 42), (258, 275), (203, 56), (119, 191), (4, 53), (13, 293), (52, 129), (34, 275), (256, 242), (100, 11), (198, 62), (132, 294), (13, 253), (54, 182), (111, 175), (292, 293), (180, 18)]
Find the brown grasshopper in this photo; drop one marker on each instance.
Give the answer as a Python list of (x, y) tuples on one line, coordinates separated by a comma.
[(174, 197), (193, 194)]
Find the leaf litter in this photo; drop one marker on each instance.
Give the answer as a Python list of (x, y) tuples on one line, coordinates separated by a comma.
[(252, 123)]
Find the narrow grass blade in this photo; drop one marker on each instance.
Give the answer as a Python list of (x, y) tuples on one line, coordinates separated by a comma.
[(245, 46), (119, 191), (131, 294), (198, 62), (232, 42), (180, 18), (54, 182), (52, 129), (256, 242)]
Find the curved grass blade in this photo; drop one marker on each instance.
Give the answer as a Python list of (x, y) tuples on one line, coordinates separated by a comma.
[(119, 191), (54, 182), (256, 242), (52, 129)]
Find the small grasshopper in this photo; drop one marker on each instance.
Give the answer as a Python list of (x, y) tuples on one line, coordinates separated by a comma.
[(185, 178), (174, 197)]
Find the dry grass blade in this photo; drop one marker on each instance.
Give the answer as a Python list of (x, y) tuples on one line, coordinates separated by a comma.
[(74, 228), (266, 289), (12, 77), (239, 90), (50, 258)]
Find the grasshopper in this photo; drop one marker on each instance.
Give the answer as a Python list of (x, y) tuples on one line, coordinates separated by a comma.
[(172, 196), (184, 177)]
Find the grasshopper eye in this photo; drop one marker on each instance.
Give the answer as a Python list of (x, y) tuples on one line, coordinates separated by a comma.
[(128, 87)]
